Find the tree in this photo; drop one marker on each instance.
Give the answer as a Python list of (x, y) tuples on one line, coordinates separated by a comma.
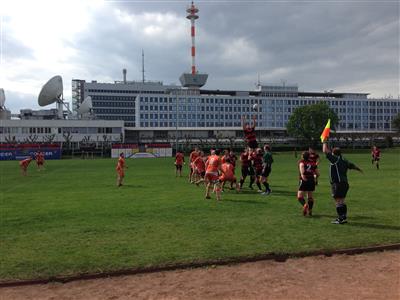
[(396, 122), (307, 122)]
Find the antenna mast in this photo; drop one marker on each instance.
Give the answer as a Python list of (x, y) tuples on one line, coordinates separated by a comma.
[(143, 66)]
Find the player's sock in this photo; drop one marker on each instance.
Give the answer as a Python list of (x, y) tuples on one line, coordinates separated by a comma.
[(310, 203), (377, 166), (344, 212), (251, 182), (266, 184), (241, 183), (258, 185), (341, 210), (302, 201)]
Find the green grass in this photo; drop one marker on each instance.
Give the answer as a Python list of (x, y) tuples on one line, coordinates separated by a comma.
[(71, 218)]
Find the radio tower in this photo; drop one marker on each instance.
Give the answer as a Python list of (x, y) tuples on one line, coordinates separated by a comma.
[(194, 79)]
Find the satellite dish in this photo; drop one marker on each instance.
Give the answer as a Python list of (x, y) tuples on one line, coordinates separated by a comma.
[(51, 92), (86, 106), (2, 98)]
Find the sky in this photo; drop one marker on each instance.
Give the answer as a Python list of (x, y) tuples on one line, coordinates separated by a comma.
[(342, 45)]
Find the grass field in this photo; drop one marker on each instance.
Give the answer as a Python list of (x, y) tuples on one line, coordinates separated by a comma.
[(71, 218)]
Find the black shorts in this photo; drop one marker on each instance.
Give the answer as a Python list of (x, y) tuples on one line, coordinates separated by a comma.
[(245, 171), (339, 190), (178, 167), (252, 144), (376, 158), (266, 171), (307, 185), (251, 171)]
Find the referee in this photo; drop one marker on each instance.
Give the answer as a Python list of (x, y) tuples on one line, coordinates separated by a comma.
[(338, 178)]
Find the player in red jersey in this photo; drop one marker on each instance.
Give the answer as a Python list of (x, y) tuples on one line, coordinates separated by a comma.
[(314, 159), (228, 175), (376, 156), (121, 169), (226, 157), (232, 158), (23, 164), (213, 168), (179, 161), (199, 170), (250, 133), (244, 159), (256, 158), (307, 183), (193, 155), (39, 156)]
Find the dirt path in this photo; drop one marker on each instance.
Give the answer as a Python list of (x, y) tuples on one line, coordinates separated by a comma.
[(364, 276)]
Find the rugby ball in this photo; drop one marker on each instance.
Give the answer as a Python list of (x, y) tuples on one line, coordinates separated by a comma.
[(255, 107)]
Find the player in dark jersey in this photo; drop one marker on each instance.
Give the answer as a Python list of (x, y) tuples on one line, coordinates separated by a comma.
[(338, 178), (267, 166), (244, 159), (250, 133), (307, 184), (376, 156), (256, 158), (314, 158)]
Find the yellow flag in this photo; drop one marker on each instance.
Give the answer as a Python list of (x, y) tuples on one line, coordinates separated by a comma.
[(325, 133)]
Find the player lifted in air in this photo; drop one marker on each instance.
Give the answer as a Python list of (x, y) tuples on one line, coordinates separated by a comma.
[(250, 133), (307, 184), (179, 161), (120, 169), (39, 156), (23, 164), (213, 168), (376, 156)]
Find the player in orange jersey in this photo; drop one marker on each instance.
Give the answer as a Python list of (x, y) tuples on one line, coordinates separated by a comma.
[(179, 161), (213, 167), (228, 175), (23, 164), (120, 169), (193, 155), (39, 160), (199, 165)]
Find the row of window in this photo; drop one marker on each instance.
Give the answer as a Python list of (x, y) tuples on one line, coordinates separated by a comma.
[(59, 130)]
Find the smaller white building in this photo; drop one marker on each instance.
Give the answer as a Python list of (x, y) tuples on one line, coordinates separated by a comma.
[(61, 131)]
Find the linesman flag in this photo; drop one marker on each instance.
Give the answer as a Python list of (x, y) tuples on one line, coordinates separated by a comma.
[(327, 130)]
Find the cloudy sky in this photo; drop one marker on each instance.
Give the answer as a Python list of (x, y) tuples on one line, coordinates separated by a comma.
[(344, 45)]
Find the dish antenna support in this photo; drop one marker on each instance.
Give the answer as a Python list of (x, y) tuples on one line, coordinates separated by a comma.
[(52, 92)]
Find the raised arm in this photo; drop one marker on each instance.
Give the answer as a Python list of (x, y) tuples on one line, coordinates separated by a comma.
[(254, 121), (325, 148), (242, 120)]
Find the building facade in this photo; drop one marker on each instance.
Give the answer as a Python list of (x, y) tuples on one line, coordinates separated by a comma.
[(155, 109)]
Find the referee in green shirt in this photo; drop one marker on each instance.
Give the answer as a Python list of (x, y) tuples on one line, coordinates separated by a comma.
[(338, 178)]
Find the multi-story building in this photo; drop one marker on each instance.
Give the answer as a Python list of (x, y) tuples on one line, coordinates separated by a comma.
[(153, 109)]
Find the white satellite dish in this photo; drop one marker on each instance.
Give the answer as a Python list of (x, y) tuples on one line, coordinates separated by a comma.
[(86, 106), (51, 92), (2, 97)]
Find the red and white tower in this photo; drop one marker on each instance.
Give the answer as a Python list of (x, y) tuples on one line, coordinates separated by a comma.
[(194, 79), (192, 11)]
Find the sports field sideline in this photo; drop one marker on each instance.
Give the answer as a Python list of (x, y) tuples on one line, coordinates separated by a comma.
[(71, 218)]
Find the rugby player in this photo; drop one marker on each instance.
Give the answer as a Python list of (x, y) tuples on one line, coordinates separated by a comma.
[(256, 158), (213, 168), (120, 169), (267, 165), (39, 156), (307, 184), (228, 175), (376, 156), (244, 159), (193, 155), (23, 164), (250, 133), (179, 161), (199, 165), (338, 179)]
